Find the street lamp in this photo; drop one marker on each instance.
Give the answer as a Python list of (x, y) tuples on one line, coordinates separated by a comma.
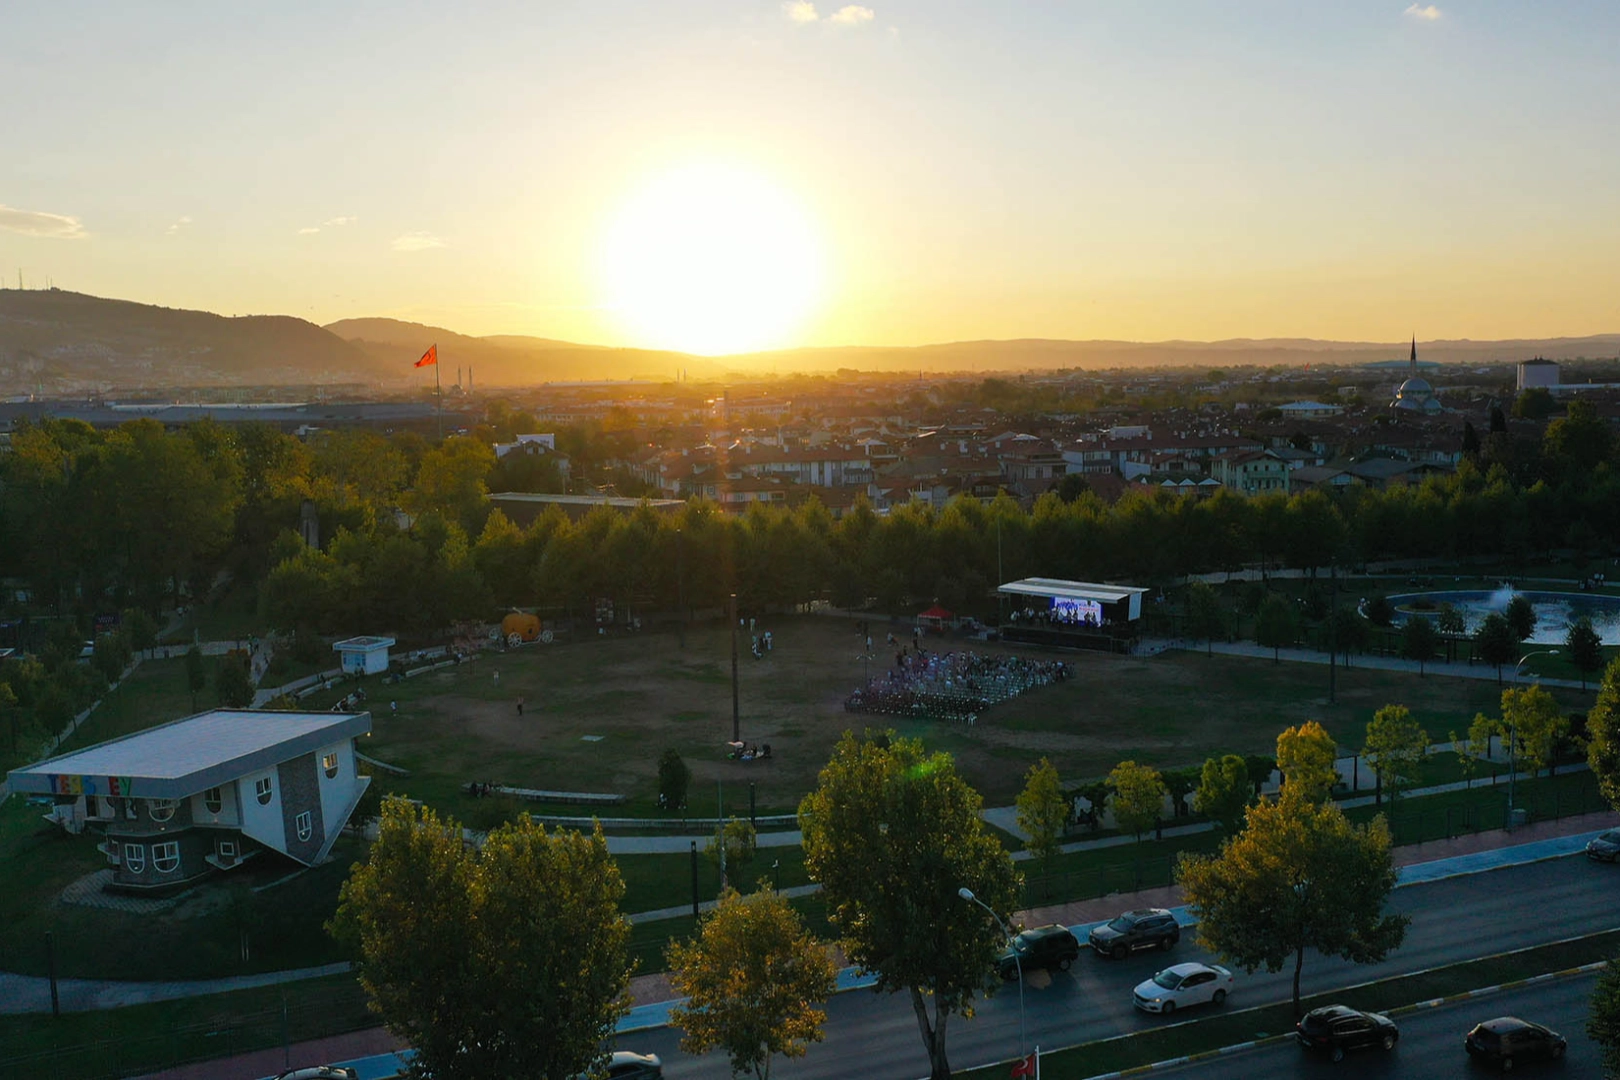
[(967, 894), (1512, 740), (1528, 655)]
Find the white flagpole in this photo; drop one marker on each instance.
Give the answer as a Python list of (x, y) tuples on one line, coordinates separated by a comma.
[(1037, 1061)]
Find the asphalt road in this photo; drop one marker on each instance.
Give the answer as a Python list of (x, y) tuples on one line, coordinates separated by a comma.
[(1431, 1046), (875, 1037)]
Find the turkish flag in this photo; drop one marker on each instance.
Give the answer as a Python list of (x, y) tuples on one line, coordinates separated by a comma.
[(1024, 1068), (429, 357)]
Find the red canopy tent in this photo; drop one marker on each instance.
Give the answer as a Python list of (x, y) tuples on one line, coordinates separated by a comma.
[(935, 617)]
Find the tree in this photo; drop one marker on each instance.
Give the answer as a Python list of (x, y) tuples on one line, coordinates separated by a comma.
[(1537, 724), (1096, 793), (1138, 801), (1260, 767), (1449, 620), (1043, 811), (233, 683), (1419, 641), (1496, 642), (1224, 792), (1179, 784), (1380, 612), (1585, 648), (674, 777), (1603, 1022), (196, 676), (505, 961), (1535, 403), (1299, 876), (754, 980), (1521, 616), (1308, 759), (1395, 745), (1274, 625), (1470, 441), (1603, 735), (732, 847), (1475, 750), (891, 834), (1205, 619)]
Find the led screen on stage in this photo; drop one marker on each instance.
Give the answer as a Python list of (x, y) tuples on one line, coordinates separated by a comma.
[(1076, 611)]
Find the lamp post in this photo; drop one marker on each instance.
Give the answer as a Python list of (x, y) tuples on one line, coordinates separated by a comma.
[(967, 894), (1512, 740), (1528, 655), (866, 674)]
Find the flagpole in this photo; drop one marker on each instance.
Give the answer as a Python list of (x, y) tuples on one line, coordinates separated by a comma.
[(438, 396)]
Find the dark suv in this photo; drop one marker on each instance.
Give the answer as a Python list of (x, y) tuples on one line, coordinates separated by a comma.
[(1040, 947), (1337, 1029), (1141, 929)]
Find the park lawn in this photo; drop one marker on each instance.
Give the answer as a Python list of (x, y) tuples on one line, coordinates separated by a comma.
[(138, 1039), (598, 713), (199, 938)]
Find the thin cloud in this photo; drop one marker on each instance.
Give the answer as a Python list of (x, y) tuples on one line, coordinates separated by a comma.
[(800, 11), (417, 241), (1428, 13), (340, 221), (38, 223), (852, 15), (179, 224), (308, 230)]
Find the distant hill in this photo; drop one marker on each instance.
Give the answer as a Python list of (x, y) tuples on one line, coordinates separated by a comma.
[(58, 341), (1042, 354), (512, 360)]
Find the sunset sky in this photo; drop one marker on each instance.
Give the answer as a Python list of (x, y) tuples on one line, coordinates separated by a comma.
[(724, 174)]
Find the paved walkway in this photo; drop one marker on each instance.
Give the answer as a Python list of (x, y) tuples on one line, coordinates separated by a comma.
[(1364, 661)]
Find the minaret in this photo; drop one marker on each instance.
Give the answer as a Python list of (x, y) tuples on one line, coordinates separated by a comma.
[(1414, 356)]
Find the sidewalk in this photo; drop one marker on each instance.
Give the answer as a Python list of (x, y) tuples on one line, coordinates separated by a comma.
[(1362, 661)]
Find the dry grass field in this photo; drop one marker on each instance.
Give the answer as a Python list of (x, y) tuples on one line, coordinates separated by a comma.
[(598, 713)]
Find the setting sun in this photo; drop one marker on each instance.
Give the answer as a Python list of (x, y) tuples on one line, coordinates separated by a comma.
[(712, 259)]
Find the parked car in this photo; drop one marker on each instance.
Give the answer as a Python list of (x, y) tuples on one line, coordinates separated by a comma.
[(321, 1072), (624, 1065), (1183, 985), (1337, 1029), (1508, 1040), (1605, 847), (1145, 928), (1046, 947)]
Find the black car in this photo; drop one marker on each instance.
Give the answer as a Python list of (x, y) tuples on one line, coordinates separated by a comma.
[(1508, 1040), (1337, 1029), (1604, 847), (1141, 929), (1040, 947)]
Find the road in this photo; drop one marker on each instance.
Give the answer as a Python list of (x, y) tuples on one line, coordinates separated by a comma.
[(1456, 919), (1431, 1043)]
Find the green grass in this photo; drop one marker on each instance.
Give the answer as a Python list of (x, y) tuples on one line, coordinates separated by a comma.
[(1144, 1048), (200, 938), (138, 1039)]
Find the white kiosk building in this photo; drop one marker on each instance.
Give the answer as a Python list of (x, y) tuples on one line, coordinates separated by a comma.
[(364, 655)]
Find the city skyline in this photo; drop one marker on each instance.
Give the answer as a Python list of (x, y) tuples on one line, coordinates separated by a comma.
[(890, 174)]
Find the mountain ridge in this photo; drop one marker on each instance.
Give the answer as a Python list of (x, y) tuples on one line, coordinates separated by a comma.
[(73, 341)]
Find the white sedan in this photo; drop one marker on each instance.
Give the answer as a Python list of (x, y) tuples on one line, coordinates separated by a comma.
[(1183, 985)]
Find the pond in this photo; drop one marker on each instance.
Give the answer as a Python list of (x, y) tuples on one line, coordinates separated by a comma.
[(1555, 611)]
